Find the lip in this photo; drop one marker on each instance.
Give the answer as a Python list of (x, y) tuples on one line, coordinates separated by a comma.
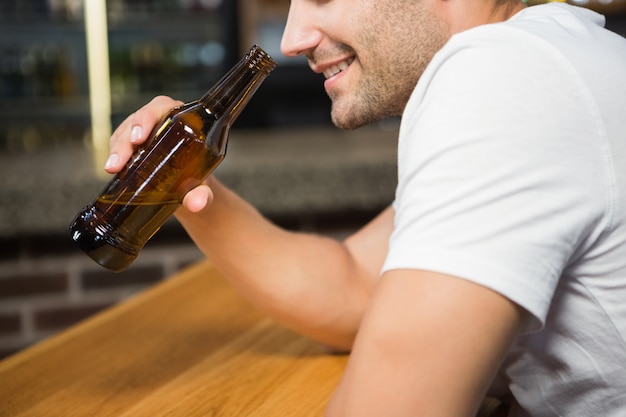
[(333, 71), (332, 81), (341, 64)]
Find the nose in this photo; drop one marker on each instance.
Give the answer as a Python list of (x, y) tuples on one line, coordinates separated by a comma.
[(301, 34)]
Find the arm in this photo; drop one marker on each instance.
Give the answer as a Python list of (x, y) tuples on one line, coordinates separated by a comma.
[(429, 344), (311, 284)]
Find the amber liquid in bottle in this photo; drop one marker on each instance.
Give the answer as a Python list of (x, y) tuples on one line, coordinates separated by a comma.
[(181, 152)]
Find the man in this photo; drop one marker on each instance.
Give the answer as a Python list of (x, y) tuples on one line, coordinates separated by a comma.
[(500, 268)]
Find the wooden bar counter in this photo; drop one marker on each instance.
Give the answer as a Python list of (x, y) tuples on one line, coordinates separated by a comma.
[(190, 346)]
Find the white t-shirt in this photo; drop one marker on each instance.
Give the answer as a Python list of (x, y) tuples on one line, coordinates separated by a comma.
[(512, 174)]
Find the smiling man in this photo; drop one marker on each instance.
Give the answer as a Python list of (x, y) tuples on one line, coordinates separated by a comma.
[(500, 268), (371, 63)]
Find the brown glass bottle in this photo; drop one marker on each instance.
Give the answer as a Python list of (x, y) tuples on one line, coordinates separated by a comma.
[(181, 152)]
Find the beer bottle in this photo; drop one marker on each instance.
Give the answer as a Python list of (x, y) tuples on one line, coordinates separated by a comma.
[(183, 149)]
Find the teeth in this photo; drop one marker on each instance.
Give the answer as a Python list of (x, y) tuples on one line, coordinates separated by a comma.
[(336, 69)]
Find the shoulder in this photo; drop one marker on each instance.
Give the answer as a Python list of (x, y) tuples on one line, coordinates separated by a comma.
[(515, 66), (538, 42)]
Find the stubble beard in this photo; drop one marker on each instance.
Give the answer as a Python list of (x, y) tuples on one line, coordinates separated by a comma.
[(367, 105), (387, 83)]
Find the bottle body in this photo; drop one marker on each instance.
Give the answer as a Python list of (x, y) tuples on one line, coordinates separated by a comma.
[(140, 199), (180, 153)]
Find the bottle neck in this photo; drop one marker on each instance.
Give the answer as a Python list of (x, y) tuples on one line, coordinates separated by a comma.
[(230, 95)]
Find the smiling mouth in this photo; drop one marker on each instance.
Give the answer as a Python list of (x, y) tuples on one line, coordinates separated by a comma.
[(336, 69)]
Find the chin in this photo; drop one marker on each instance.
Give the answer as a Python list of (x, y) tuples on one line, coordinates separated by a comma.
[(352, 120), (346, 119), (346, 125)]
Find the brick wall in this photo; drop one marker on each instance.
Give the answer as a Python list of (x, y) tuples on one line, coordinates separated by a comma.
[(46, 284)]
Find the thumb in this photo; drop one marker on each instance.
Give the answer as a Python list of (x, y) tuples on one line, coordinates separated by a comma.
[(198, 198)]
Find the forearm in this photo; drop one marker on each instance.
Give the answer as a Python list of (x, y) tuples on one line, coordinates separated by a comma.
[(309, 283)]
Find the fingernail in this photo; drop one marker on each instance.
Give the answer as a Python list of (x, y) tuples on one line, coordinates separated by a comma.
[(112, 161), (135, 134)]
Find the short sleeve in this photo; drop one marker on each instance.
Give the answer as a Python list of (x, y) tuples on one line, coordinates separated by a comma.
[(495, 184)]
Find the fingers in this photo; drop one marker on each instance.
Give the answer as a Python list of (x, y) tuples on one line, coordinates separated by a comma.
[(135, 130), (198, 198)]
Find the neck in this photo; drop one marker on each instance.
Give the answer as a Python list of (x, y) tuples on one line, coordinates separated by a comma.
[(466, 14)]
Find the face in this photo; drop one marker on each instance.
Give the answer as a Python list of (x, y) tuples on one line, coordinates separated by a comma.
[(371, 52)]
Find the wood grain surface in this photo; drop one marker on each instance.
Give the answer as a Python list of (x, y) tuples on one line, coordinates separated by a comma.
[(188, 347)]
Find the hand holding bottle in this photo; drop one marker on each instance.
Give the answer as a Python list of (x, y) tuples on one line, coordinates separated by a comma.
[(159, 155), (134, 131)]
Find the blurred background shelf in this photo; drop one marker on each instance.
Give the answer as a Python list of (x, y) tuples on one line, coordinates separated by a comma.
[(174, 47)]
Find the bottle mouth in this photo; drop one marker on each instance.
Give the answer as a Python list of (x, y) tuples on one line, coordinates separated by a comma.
[(260, 60)]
